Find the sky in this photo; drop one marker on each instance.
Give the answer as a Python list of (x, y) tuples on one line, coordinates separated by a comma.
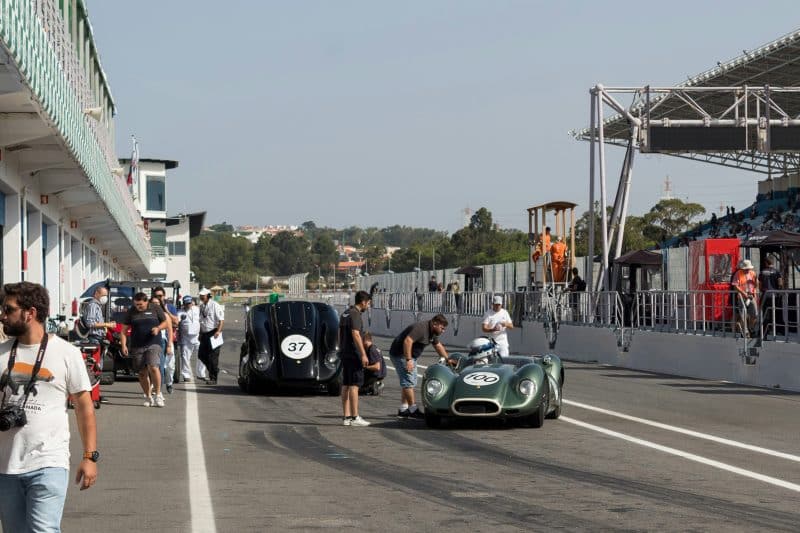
[(375, 113)]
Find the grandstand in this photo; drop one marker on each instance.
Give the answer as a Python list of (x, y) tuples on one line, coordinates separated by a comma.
[(743, 114), (767, 213)]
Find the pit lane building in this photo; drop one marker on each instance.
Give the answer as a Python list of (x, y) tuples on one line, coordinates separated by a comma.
[(67, 215)]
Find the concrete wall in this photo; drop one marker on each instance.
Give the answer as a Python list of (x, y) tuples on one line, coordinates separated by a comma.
[(178, 265), (682, 355)]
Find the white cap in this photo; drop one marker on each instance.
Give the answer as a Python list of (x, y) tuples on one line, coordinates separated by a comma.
[(204, 292), (497, 300)]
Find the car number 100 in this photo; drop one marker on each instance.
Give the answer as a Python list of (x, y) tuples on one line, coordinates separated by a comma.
[(479, 379), (297, 346)]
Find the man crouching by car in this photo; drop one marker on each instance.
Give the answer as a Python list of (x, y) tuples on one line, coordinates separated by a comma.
[(39, 371), (354, 358)]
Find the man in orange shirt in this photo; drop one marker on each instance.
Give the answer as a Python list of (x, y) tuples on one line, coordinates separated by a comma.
[(543, 246), (558, 252), (744, 283)]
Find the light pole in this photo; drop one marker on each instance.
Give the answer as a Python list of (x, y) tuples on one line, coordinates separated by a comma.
[(433, 249), (319, 279)]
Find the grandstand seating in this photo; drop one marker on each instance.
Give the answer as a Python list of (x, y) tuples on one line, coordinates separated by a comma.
[(781, 212)]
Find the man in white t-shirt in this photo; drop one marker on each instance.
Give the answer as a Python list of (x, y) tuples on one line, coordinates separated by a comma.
[(495, 322), (212, 318), (38, 372)]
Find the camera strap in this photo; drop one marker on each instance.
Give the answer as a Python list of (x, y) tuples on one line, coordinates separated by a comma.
[(12, 358)]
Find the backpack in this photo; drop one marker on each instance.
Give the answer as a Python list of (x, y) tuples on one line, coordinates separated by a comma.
[(81, 330)]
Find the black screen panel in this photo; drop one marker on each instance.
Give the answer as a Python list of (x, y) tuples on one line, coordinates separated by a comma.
[(696, 139)]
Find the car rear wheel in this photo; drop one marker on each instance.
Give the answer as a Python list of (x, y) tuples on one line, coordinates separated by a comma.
[(536, 420)]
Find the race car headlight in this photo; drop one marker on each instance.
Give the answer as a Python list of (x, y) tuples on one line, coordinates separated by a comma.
[(262, 361), (527, 387), (331, 359), (547, 360), (433, 387)]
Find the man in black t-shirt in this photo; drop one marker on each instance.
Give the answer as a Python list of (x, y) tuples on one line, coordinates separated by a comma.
[(354, 358), (146, 322), (404, 352)]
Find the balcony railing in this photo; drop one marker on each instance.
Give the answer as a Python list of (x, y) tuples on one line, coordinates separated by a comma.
[(38, 41)]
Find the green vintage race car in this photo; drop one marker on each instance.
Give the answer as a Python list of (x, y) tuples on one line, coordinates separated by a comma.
[(482, 384)]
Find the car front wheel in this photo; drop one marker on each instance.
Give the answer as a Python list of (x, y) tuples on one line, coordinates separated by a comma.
[(536, 420), (433, 421)]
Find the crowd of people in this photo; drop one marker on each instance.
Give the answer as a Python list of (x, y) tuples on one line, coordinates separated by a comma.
[(742, 224)]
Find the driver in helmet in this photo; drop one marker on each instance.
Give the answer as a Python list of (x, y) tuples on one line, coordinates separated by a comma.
[(480, 350)]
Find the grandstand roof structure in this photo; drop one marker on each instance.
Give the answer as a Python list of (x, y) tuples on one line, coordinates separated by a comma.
[(711, 96)]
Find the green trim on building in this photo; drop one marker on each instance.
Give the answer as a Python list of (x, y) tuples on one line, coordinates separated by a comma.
[(22, 34)]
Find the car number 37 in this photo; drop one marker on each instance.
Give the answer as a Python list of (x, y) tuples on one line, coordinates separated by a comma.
[(297, 346), (480, 379)]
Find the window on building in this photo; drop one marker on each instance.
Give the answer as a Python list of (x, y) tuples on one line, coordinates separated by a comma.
[(176, 248), (158, 242), (156, 194)]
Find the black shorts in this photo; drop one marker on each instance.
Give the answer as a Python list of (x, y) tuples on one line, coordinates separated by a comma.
[(352, 372)]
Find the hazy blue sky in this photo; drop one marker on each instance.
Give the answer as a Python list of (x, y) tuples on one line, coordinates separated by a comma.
[(376, 113)]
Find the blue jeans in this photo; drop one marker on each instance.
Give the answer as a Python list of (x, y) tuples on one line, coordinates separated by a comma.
[(33, 501), (162, 361)]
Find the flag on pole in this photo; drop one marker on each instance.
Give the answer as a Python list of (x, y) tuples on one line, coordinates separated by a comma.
[(133, 170)]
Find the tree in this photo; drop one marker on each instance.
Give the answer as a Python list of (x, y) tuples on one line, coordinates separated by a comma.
[(670, 217), (290, 254), (375, 257), (325, 252), (222, 228), (261, 254)]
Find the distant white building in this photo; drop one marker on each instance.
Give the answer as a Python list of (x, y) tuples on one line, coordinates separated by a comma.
[(254, 233)]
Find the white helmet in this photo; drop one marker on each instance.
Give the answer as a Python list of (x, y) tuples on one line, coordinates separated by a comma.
[(480, 347)]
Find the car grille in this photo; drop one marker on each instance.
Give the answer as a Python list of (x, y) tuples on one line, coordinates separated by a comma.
[(476, 407)]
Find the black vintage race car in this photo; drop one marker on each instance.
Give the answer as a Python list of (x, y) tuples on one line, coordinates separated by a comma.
[(291, 343)]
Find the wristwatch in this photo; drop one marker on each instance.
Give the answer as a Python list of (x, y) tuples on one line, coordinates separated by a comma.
[(92, 456)]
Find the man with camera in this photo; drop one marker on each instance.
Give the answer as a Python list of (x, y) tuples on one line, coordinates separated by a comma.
[(37, 374)]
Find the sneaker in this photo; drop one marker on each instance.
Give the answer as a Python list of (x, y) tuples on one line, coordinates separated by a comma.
[(359, 422), (347, 421), (416, 414), (403, 413), (147, 401), (212, 381), (169, 389), (160, 400)]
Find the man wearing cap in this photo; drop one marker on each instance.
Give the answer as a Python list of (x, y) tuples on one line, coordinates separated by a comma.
[(744, 283), (495, 322), (189, 337), (212, 318)]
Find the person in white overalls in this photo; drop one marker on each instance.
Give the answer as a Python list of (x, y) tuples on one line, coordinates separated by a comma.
[(189, 327)]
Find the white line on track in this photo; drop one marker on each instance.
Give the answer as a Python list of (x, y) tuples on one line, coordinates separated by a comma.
[(680, 453), (686, 455), (199, 492), (689, 432)]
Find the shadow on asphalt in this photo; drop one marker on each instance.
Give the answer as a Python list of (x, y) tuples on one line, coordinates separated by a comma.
[(740, 392), (730, 388)]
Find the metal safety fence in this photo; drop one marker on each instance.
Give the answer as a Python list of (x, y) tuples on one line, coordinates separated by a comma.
[(775, 316)]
